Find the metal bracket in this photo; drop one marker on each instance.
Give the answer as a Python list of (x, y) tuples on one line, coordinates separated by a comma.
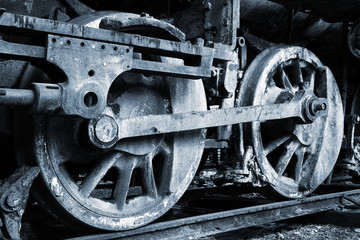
[(14, 193), (85, 92), (222, 19), (75, 50)]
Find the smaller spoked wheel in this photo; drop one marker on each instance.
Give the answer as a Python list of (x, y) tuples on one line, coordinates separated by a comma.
[(295, 157)]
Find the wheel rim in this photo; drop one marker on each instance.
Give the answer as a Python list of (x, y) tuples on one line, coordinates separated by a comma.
[(295, 158), (135, 181)]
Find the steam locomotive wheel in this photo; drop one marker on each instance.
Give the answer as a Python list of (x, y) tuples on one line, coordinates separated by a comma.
[(132, 182), (295, 157)]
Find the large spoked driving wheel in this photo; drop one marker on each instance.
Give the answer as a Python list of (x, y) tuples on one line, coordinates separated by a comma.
[(129, 183), (295, 157)]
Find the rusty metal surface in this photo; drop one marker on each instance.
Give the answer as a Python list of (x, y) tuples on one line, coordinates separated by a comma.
[(14, 193), (115, 213), (210, 224), (222, 19), (166, 47), (159, 124), (156, 172), (21, 51), (11, 71), (149, 67), (86, 78), (38, 8), (16, 97), (143, 23)]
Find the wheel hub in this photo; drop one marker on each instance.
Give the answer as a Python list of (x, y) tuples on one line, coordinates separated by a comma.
[(135, 102), (105, 129), (305, 133)]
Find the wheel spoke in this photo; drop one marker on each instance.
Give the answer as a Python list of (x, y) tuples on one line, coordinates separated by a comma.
[(300, 153), (148, 177), (166, 173), (286, 157), (311, 79), (296, 73), (275, 144), (94, 177), (283, 79), (125, 170), (272, 93), (165, 149), (309, 167)]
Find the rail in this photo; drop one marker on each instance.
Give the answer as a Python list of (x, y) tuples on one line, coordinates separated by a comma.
[(226, 221)]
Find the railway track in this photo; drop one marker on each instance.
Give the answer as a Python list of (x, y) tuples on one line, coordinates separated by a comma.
[(203, 213)]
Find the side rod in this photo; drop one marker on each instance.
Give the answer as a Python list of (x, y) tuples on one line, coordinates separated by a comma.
[(139, 126), (304, 106), (158, 124)]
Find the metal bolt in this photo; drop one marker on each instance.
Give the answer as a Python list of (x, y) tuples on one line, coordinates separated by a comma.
[(320, 107), (13, 200), (209, 44), (241, 41), (214, 73), (146, 15), (316, 107), (207, 6), (106, 129), (355, 119), (226, 22)]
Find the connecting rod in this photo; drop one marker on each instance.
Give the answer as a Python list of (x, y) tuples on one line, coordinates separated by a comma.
[(305, 106)]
